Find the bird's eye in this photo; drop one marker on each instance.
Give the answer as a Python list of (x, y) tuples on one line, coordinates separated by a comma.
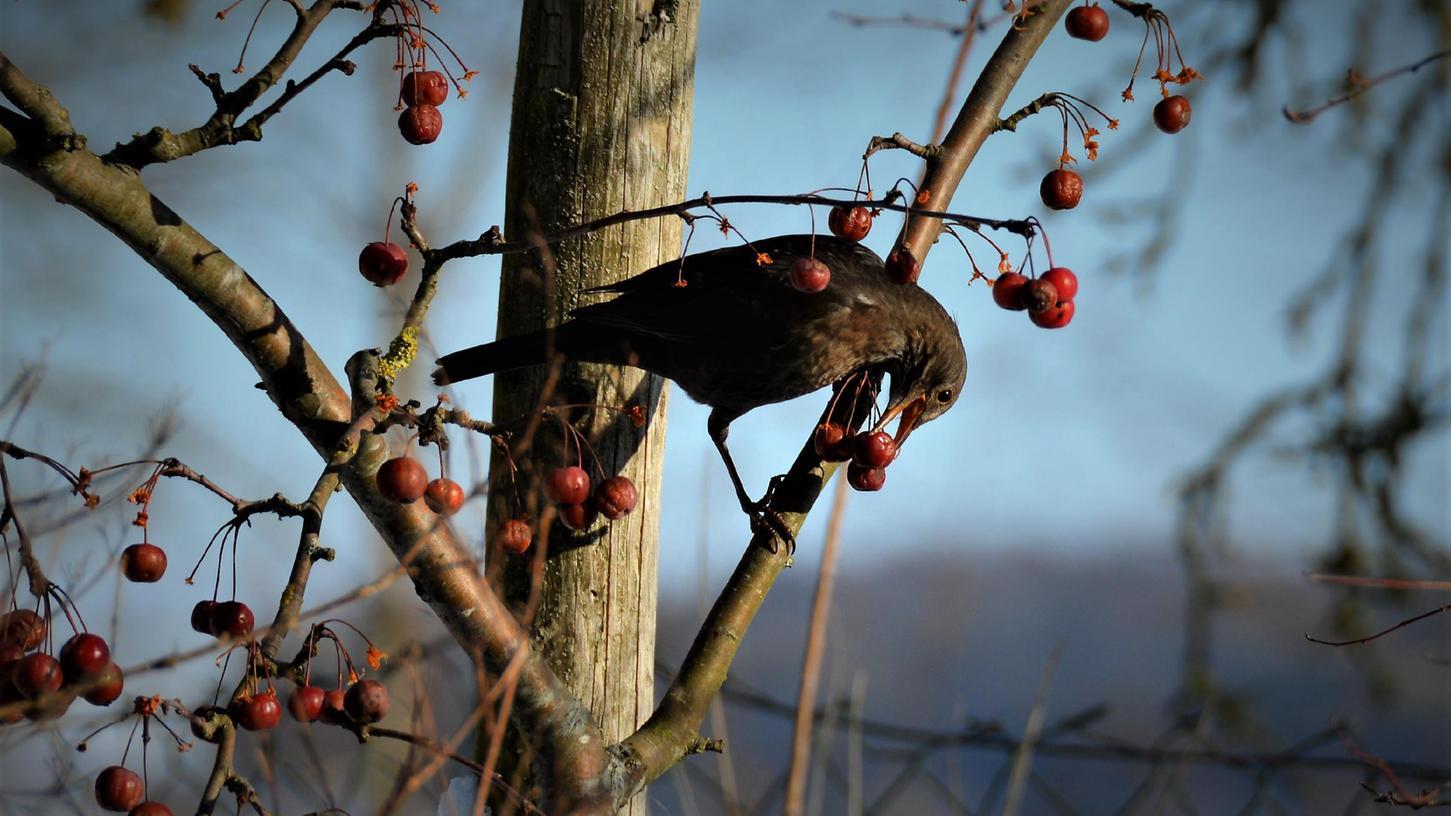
[(944, 396)]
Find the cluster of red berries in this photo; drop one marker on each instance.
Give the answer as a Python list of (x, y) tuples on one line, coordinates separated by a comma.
[(422, 93), (363, 702), (810, 275), (29, 672), (228, 619), (1171, 114), (869, 453), (568, 489), (403, 479), (1048, 298)]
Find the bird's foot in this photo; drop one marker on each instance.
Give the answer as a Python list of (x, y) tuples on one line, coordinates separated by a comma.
[(766, 520)]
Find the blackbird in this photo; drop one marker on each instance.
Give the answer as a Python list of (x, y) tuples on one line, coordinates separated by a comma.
[(729, 328)]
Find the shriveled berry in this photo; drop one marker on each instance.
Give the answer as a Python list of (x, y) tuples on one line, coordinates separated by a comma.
[(143, 563), (1061, 189), (443, 496), (579, 517), (232, 619), (119, 789), (1008, 291), (831, 442), (106, 688), (84, 657), (424, 88), (1064, 281), (809, 275), (1055, 317), (24, 628), (36, 674), (515, 536), (873, 449), (616, 497), (1087, 23), (1172, 114), (566, 485), (149, 808), (420, 124), (865, 479), (1038, 295), (902, 266), (201, 617), (305, 704), (851, 223), (383, 263), (366, 701), (256, 712), (402, 479)]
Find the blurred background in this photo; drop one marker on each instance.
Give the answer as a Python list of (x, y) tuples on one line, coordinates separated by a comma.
[(1254, 387)]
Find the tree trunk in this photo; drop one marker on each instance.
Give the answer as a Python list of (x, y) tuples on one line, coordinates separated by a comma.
[(601, 123)]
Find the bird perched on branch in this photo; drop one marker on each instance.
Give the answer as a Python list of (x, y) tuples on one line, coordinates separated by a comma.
[(730, 329)]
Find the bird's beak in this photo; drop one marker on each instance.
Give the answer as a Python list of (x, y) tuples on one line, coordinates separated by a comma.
[(911, 412)]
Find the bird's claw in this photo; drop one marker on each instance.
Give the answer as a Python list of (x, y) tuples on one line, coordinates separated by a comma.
[(765, 519)]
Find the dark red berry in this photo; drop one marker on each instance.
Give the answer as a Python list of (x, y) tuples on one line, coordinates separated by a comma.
[(566, 485), (84, 657), (256, 712), (1087, 23), (809, 275), (106, 688), (402, 479), (579, 517), (851, 223), (1064, 281), (616, 497), (874, 449), (232, 619), (305, 704), (902, 266), (143, 563), (831, 442), (443, 496), (201, 617), (1061, 189), (1055, 317), (1038, 295), (1008, 291), (383, 263), (1172, 114), (515, 536), (10, 654), (24, 628), (420, 124), (366, 701), (150, 809), (37, 674), (865, 479), (118, 789), (425, 88)]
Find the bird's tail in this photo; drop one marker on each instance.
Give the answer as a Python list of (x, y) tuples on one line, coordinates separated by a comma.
[(501, 355)]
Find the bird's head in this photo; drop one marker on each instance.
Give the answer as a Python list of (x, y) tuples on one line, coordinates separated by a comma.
[(927, 381)]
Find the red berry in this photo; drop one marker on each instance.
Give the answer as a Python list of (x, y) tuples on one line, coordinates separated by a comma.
[(1172, 113), (616, 497), (420, 124), (1064, 281), (402, 479), (84, 657), (306, 702), (105, 689), (150, 809), (851, 223), (37, 674), (443, 496), (1038, 295), (332, 701), (24, 628), (578, 517), (1008, 291), (1061, 189), (383, 263), (256, 712), (232, 619), (201, 617), (366, 701), (875, 449), (1055, 317), (809, 275), (902, 266), (566, 485), (425, 88), (118, 789), (831, 442), (143, 563), (515, 536), (1087, 23), (865, 479)]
